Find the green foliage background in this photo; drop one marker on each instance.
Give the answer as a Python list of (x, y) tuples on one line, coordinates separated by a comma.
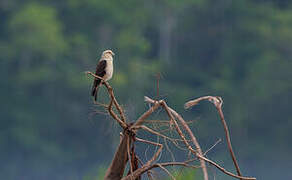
[(240, 50)]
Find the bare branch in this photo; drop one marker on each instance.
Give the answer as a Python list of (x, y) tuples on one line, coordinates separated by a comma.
[(196, 101), (168, 149), (228, 138), (164, 122), (118, 164), (123, 153), (118, 107), (171, 112), (217, 142), (145, 115), (173, 140), (163, 168), (113, 100), (94, 75), (223, 170), (129, 157), (218, 101), (100, 104), (185, 164), (156, 133), (113, 114), (144, 168), (199, 155)]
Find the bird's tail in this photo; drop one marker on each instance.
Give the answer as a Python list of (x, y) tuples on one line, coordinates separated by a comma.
[(95, 87)]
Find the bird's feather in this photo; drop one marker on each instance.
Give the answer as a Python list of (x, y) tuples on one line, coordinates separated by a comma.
[(100, 71)]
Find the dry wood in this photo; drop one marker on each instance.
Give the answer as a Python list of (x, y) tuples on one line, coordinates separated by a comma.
[(126, 151), (118, 164), (199, 155), (172, 113), (217, 101)]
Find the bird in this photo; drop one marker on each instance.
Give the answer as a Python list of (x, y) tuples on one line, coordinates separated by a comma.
[(104, 69)]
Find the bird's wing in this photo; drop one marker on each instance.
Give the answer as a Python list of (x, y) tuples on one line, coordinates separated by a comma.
[(100, 68), (100, 71)]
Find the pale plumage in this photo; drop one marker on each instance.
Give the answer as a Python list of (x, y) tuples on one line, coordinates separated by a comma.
[(104, 69)]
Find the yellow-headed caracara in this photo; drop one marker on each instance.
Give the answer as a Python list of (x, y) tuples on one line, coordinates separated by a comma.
[(104, 69)]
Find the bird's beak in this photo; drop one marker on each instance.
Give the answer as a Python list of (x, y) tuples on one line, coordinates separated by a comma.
[(113, 53)]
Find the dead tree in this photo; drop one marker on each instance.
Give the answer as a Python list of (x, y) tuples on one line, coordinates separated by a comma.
[(126, 154)]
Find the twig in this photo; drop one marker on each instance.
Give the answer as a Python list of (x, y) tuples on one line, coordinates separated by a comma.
[(123, 154), (100, 104), (163, 168), (184, 163), (129, 157), (228, 137), (209, 161), (113, 114), (224, 170), (164, 122), (217, 101), (115, 102), (170, 113), (118, 107), (142, 118), (144, 168), (174, 141), (153, 143), (149, 172), (118, 164), (192, 150), (147, 168), (94, 75), (168, 149), (157, 84), (156, 133), (158, 121), (218, 141)]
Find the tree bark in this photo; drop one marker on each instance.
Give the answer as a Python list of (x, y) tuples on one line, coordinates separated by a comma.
[(118, 164)]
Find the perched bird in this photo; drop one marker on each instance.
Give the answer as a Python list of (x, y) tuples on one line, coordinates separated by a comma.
[(104, 69)]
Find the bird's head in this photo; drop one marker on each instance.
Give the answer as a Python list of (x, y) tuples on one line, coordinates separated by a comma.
[(107, 54)]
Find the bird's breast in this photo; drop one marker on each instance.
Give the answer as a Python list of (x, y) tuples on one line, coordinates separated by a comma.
[(109, 70)]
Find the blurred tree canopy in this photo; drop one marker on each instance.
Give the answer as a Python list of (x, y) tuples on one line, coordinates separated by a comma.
[(240, 50)]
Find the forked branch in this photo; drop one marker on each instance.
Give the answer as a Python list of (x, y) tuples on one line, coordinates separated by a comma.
[(126, 151), (218, 101), (113, 100), (171, 113), (199, 155)]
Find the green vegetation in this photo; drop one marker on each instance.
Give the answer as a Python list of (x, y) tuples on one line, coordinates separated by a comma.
[(240, 50), (185, 175)]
